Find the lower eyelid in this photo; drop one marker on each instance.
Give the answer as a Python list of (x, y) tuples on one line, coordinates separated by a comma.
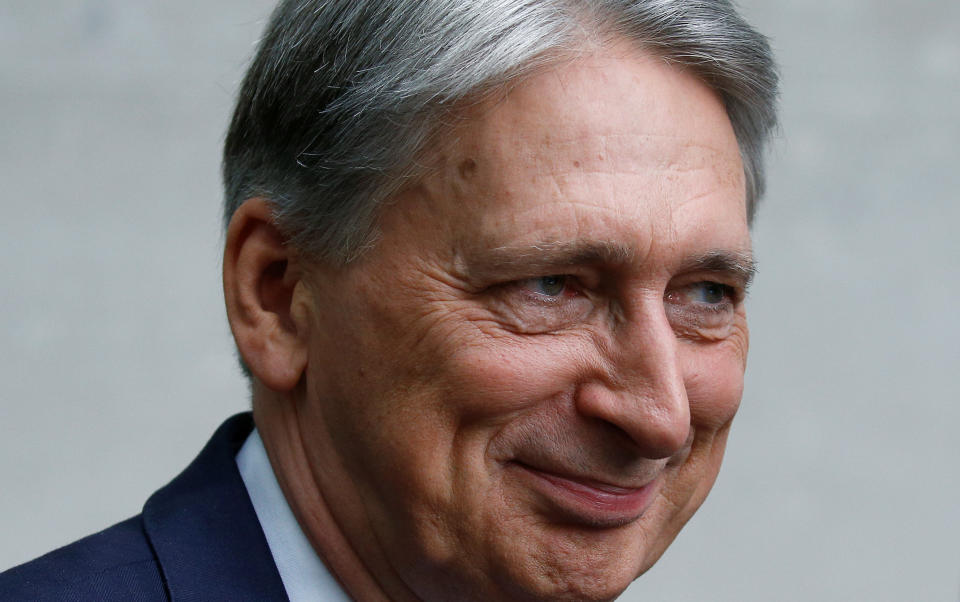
[(543, 299), (543, 316), (717, 307), (697, 315)]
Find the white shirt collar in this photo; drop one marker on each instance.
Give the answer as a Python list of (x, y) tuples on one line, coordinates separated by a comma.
[(303, 573)]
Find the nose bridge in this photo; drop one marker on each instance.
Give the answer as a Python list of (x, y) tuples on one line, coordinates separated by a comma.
[(644, 392)]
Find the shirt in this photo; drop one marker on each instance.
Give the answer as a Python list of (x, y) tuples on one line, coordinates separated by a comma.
[(304, 575)]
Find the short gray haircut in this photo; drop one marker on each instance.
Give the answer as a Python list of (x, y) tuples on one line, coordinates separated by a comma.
[(343, 95)]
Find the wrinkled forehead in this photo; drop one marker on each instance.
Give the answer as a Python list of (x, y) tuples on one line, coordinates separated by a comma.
[(611, 144), (614, 93)]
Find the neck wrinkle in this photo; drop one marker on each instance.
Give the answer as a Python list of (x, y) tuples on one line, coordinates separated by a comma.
[(277, 419)]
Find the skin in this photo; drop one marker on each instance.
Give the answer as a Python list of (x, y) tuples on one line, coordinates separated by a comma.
[(523, 391)]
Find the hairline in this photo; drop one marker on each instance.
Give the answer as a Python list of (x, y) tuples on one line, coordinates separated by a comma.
[(582, 30)]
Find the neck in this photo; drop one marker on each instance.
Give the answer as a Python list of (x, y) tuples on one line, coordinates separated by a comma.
[(278, 422)]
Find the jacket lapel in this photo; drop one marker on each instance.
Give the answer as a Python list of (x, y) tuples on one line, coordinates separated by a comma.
[(204, 529)]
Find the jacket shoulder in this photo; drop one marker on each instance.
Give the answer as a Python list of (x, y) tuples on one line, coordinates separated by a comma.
[(114, 564)]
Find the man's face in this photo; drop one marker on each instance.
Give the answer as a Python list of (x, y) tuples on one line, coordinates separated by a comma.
[(525, 388)]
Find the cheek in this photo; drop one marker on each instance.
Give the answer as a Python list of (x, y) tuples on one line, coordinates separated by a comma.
[(714, 383), (499, 378)]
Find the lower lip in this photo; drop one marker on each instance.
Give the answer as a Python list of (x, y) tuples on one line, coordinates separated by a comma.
[(591, 503)]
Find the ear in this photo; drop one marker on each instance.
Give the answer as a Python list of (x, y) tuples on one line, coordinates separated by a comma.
[(267, 301)]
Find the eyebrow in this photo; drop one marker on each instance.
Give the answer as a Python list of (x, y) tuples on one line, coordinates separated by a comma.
[(739, 264), (549, 254)]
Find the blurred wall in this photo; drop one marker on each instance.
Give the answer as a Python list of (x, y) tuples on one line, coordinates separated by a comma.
[(842, 478)]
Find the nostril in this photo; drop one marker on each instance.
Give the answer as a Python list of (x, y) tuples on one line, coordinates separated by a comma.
[(657, 425)]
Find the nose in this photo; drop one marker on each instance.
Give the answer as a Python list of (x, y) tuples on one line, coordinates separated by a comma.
[(642, 390)]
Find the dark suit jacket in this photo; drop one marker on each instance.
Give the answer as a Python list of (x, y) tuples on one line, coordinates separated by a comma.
[(198, 538)]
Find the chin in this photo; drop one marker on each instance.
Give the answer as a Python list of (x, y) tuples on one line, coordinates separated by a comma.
[(576, 585), (582, 564)]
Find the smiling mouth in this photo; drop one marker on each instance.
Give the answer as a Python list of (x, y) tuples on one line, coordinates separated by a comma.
[(586, 501)]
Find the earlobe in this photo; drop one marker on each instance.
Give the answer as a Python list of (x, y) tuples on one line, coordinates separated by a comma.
[(264, 294)]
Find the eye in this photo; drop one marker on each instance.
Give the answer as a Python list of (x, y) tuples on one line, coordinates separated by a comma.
[(702, 307), (706, 295), (542, 304), (711, 293), (548, 286)]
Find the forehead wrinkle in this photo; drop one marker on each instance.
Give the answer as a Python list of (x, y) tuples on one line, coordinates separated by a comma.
[(655, 149)]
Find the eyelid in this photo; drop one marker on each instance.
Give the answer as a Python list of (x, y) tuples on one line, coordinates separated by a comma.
[(530, 286), (571, 287), (680, 299), (692, 317), (736, 287), (524, 310), (580, 277), (729, 291)]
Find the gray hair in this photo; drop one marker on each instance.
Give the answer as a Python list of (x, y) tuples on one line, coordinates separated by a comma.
[(343, 95)]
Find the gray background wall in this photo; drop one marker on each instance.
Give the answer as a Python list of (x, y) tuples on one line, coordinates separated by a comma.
[(841, 480)]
